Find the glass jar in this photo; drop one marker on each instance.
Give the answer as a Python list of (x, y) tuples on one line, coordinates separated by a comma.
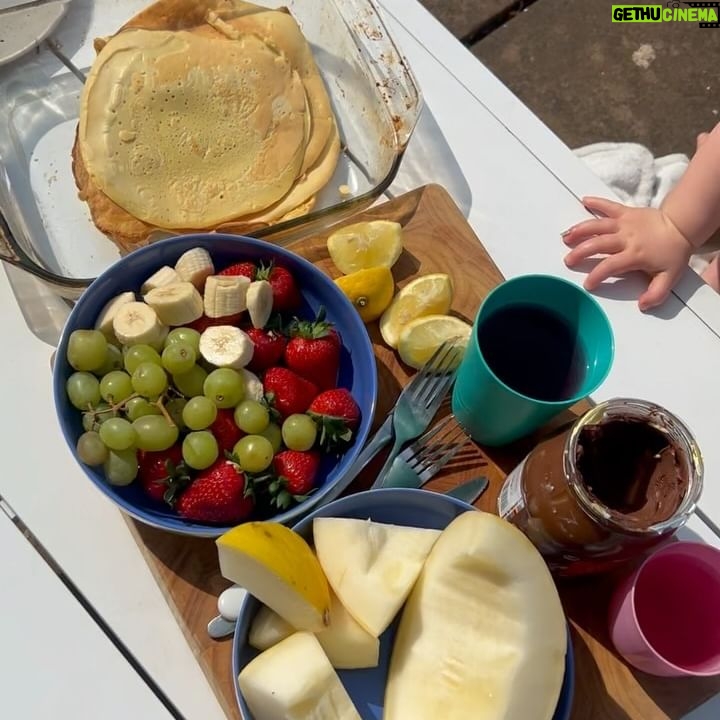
[(621, 480)]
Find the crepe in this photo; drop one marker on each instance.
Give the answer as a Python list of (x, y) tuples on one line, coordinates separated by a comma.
[(263, 177)]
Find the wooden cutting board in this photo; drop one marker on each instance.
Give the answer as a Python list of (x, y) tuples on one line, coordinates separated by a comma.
[(437, 238)]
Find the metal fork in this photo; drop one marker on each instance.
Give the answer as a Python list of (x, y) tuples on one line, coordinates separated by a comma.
[(384, 434), (419, 462), (415, 410)]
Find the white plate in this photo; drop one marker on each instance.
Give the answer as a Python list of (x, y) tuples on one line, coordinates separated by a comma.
[(24, 27)]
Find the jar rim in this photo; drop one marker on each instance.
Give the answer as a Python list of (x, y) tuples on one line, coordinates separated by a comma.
[(641, 409)]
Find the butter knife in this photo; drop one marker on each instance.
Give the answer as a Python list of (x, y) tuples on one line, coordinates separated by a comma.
[(469, 491)]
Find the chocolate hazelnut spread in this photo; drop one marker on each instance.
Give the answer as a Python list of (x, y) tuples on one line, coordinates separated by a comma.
[(633, 469), (622, 479)]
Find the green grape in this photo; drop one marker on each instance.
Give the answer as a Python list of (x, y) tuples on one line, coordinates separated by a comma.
[(200, 449), (178, 358), (299, 432), (87, 349), (175, 409), (273, 434), (254, 453), (251, 416), (118, 434), (138, 407), (149, 379), (121, 467), (136, 354), (116, 387), (185, 335), (190, 384), (154, 432), (83, 390), (91, 449), (225, 387), (199, 413), (113, 361)]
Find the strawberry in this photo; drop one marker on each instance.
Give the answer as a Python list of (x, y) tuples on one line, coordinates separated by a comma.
[(269, 348), (286, 294), (313, 351), (246, 269), (337, 415), (204, 322), (226, 432), (220, 494), (162, 474), (296, 472), (287, 392)]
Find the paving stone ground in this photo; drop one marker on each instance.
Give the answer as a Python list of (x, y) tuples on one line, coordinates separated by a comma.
[(465, 17), (590, 79)]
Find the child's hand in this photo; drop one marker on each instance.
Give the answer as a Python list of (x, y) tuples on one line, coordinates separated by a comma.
[(633, 239)]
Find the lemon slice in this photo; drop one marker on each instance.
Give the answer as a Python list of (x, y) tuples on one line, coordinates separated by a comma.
[(370, 291), (426, 295), (421, 337), (365, 245), (275, 565)]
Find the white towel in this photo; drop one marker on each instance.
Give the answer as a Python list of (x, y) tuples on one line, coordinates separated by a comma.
[(637, 177)]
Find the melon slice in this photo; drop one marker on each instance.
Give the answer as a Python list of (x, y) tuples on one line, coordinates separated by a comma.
[(371, 566), (276, 566), (483, 635), (347, 645), (294, 680)]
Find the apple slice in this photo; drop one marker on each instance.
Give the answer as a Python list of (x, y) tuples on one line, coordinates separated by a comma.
[(371, 566), (483, 635), (347, 645), (294, 680), (275, 565)]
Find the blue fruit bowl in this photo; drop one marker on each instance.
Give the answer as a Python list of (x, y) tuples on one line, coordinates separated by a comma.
[(415, 508), (358, 371)]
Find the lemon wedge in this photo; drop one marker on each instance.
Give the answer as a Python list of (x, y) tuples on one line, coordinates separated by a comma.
[(370, 291), (365, 245), (275, 565), (421, 337), (427, 295)]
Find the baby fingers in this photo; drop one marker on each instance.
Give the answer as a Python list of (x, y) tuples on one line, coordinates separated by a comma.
[(612, 266), (588, 228), (658, 290), (599, 245)]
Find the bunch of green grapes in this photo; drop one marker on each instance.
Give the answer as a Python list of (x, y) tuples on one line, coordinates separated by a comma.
[(136, 398)]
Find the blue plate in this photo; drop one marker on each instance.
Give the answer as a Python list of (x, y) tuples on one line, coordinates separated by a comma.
[(416, 508), (358, 371)]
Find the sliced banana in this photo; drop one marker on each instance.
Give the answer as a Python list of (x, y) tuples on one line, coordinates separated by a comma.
[(226, 346), (164, 276), (104, 322), (253, 386), (195, 266), (136, 323), (176, 304), (259, 302), (225, 295)]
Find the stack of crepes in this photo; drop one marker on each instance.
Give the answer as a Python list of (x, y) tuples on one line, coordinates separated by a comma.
[(202, 115)]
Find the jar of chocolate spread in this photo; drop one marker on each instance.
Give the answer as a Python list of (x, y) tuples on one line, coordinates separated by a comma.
[(621, 480)]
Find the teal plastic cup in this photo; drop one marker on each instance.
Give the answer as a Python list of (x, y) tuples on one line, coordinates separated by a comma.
[(492, 412)]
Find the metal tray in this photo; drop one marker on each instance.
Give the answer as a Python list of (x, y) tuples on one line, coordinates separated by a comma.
[(46, 229)]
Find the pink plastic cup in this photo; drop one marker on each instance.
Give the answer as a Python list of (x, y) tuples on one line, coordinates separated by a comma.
[(665, 617)]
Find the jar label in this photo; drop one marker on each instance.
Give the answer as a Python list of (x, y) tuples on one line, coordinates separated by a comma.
[(511, 500)]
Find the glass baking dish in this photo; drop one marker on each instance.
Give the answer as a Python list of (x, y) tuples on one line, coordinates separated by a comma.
[(46, 229)]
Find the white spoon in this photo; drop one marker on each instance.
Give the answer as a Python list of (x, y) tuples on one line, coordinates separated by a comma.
[(228, 604)]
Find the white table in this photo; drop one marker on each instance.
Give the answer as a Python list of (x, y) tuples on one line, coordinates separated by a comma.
[(519, 187), (55, 661)]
